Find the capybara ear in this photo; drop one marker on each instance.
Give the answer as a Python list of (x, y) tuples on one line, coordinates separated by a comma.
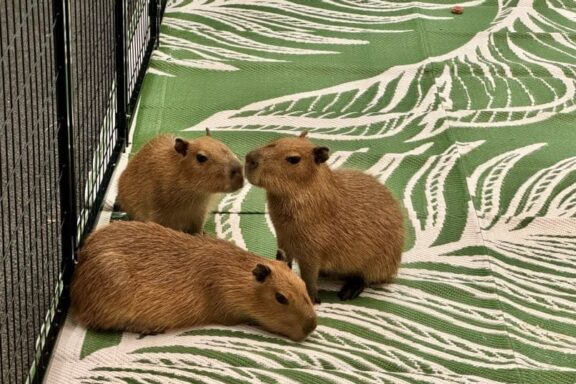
[(208, 133), (261, 272), (303, 134), (181, 146), (321, 154), (281, 255)]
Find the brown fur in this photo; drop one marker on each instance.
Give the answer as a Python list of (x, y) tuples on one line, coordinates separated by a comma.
[(340, 222), (173, 188), (145, 278)]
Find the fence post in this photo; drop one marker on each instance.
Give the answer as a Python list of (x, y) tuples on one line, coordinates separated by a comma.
[(62, 48), (121, 91), (154, 12)]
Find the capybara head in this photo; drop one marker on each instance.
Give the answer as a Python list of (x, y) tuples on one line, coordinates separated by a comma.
[(282, 305), (209, 163), (285, 164)]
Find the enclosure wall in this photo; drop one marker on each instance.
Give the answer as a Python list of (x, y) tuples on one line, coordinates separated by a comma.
[(70, 75)]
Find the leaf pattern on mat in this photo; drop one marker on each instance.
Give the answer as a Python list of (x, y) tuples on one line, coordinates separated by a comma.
[(432, 180), (436, 93), (219, 34)]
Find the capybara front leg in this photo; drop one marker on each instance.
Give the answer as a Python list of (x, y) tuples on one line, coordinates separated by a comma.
[(309, 274)]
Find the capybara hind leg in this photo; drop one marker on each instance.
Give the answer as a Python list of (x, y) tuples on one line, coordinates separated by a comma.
[(352, 288)]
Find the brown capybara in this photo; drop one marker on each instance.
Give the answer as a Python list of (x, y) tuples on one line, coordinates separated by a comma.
[(336, 222), (173, 182), (146, 278)]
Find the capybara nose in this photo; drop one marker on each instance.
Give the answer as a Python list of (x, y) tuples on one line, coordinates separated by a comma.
[(236, 171), (251, 161), (310, 326)]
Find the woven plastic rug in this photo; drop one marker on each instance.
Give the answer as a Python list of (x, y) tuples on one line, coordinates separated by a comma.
[(469, 119)]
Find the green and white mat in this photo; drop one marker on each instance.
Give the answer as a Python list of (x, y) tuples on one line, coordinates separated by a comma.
[(470, 119)]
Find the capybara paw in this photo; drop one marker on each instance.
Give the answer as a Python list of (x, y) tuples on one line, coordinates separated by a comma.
[(142, 335), (281, 256), (353, 287)]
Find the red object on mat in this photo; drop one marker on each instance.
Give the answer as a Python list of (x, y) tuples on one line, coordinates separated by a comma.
[(457, 9)]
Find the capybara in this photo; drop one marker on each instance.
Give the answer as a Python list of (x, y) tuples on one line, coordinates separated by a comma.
[(172, 181), (336, 222), (146, 278)]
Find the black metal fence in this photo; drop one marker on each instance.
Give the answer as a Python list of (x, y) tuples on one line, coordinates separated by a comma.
[(70, 75)]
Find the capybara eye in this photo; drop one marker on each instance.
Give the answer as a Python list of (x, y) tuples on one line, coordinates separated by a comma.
[(293, 159), (281, 298), (201, 158)]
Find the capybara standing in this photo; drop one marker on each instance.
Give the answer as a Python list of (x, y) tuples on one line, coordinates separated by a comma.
[(146, 278), (338, 222), (172, 181)]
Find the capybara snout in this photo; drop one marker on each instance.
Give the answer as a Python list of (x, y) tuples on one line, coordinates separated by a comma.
[(252, 160), (310, 326), (236, 175)]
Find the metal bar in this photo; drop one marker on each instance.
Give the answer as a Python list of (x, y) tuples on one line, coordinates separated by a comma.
[(65, 143), (121, 102), (5, 345), (139, 69), (11, 204), (155, 13)]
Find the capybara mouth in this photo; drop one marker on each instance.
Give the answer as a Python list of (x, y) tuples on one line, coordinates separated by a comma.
[(251, 177), (235, 178), (310, 326), (236, 184), (298, 338)]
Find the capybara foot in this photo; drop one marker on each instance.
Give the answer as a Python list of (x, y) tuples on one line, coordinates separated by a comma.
[(281, 256), (353, 287), (142, 335)]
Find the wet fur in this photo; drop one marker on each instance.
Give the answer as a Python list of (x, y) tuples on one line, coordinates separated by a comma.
[(338, 222), (145, 278), (173, 189)]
